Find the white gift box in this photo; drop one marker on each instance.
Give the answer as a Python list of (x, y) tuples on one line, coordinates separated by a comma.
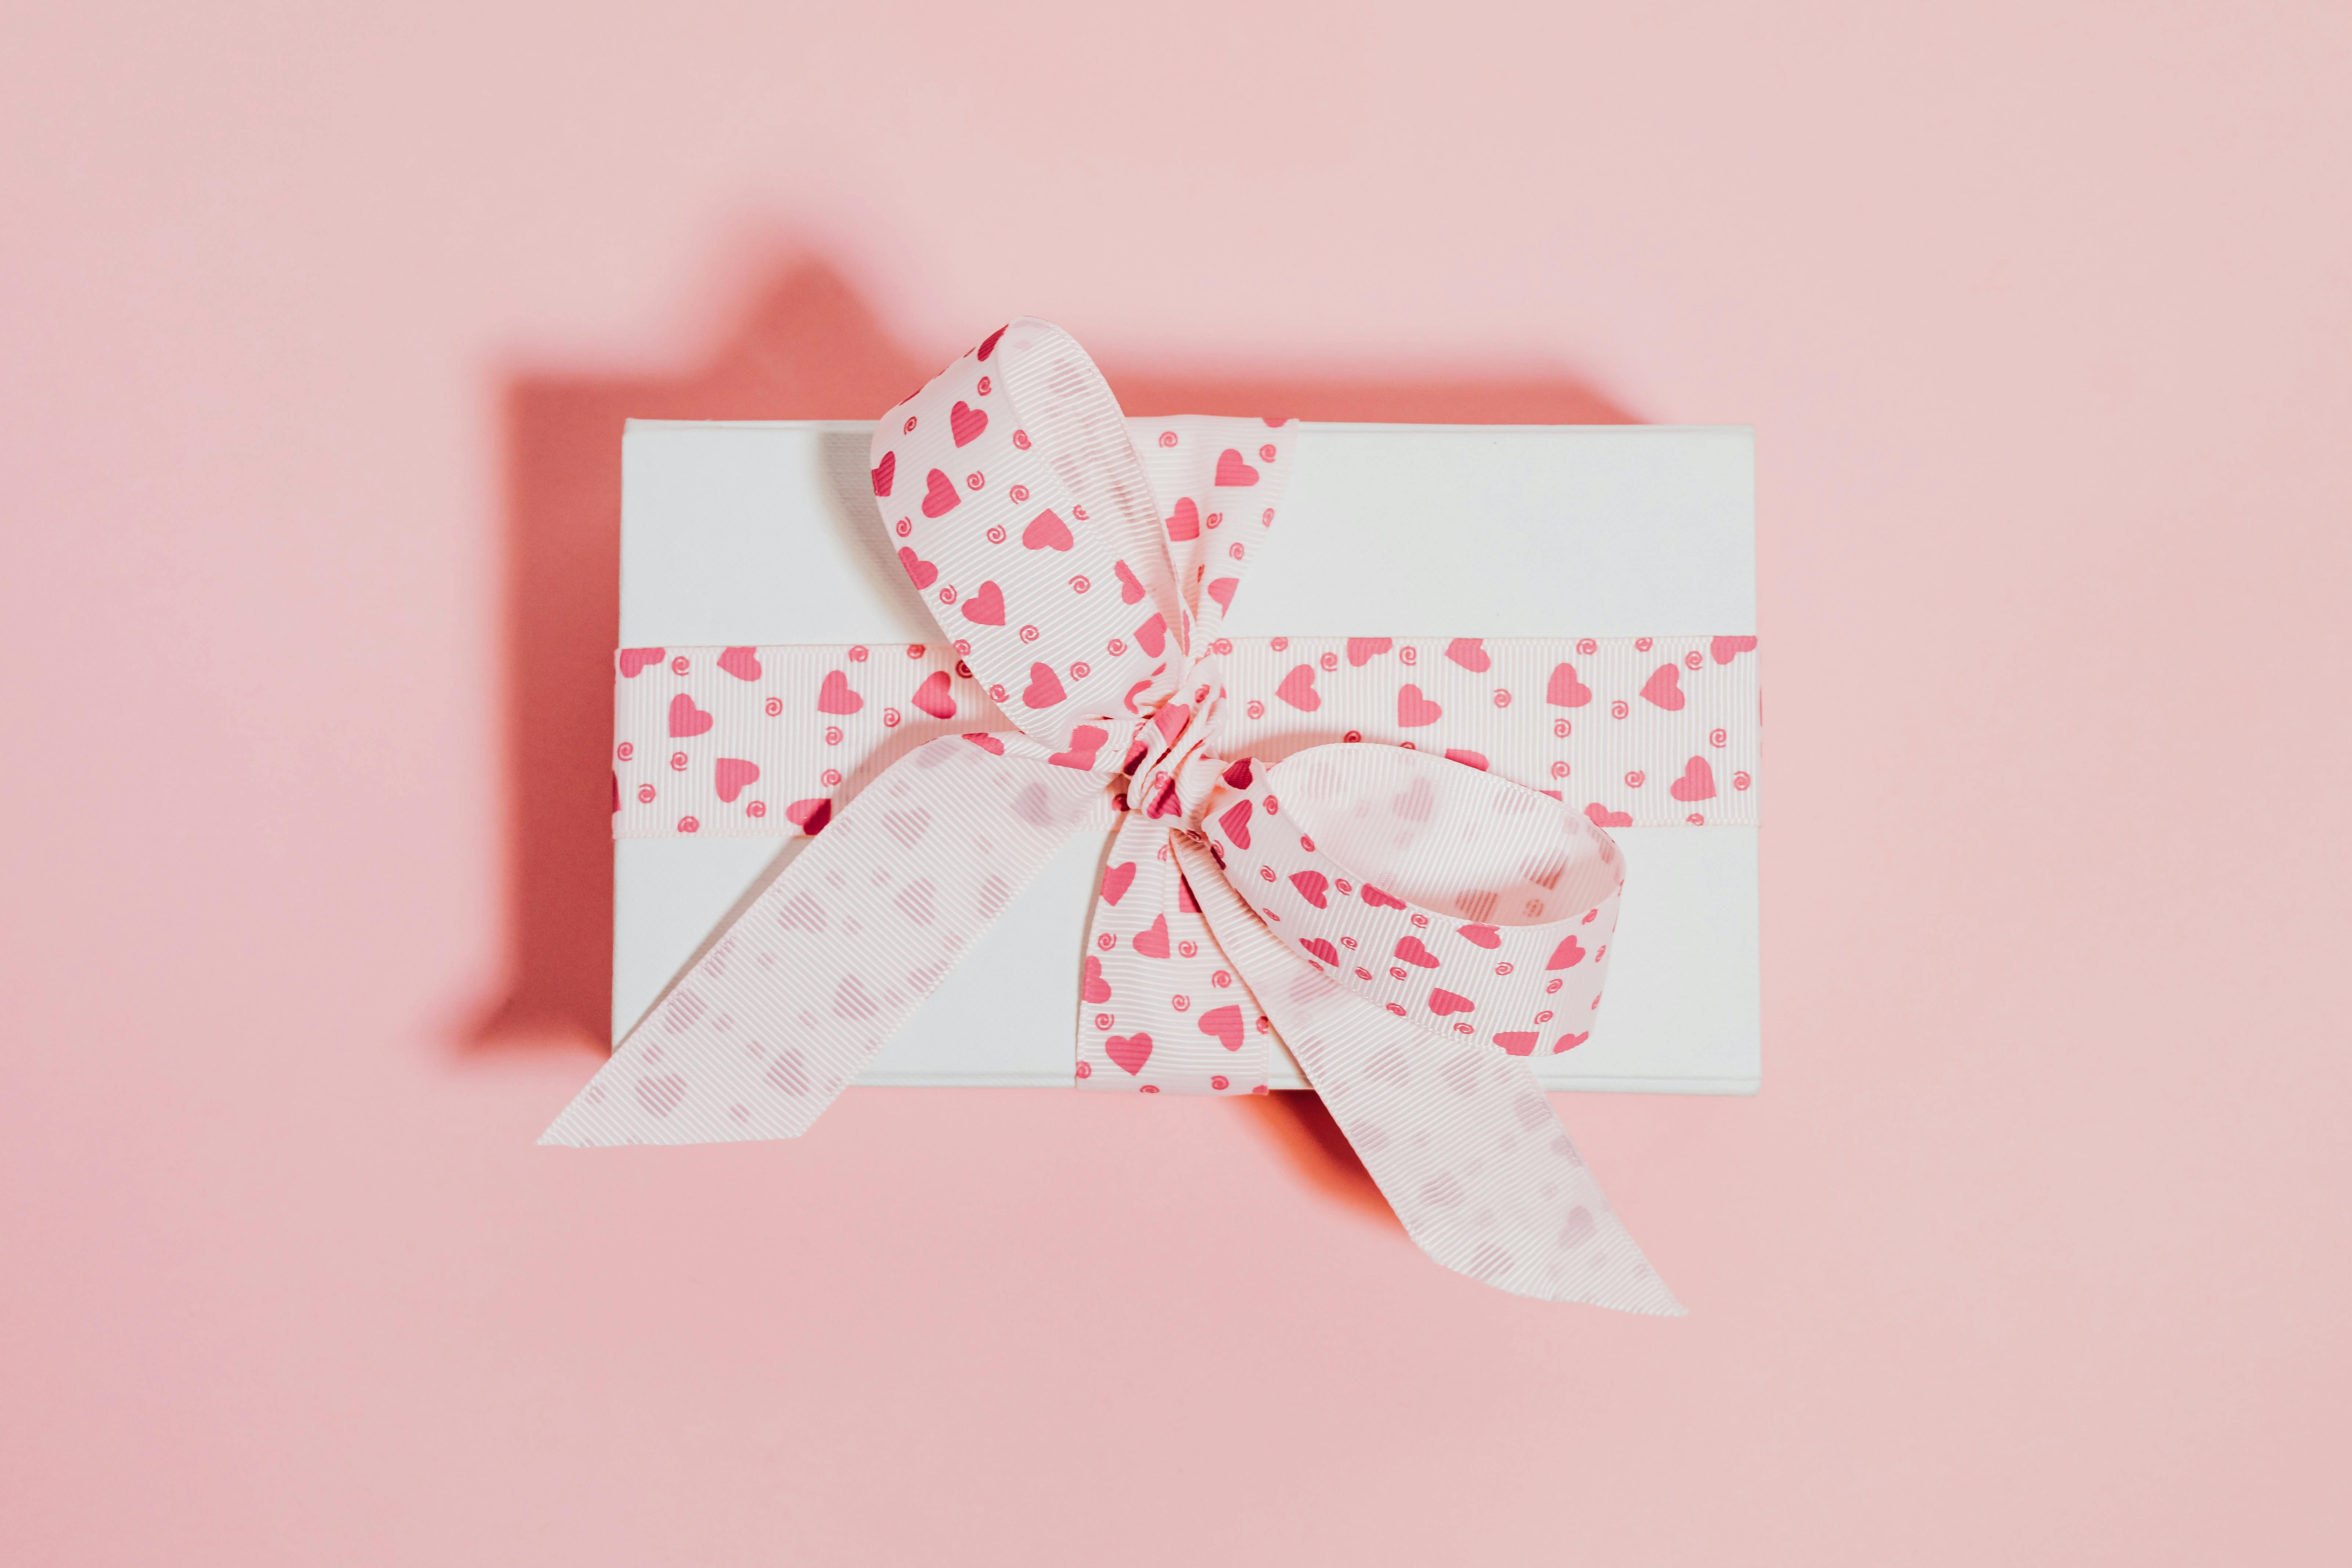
[(751, 534)]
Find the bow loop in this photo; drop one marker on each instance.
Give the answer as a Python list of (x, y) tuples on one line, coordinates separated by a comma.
[(1072, 575), (1462, 902)]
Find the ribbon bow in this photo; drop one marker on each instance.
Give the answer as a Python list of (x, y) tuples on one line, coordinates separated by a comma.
[(1409, 928)]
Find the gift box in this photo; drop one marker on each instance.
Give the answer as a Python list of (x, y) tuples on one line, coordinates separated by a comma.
[(751, 534), (950, 751)]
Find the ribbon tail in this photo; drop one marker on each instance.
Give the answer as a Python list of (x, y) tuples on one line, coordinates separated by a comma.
[(1459, 1137), (1161, 1010), (757, 1038)]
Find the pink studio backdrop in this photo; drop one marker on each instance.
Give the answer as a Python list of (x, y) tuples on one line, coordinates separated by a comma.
[(315, 337)]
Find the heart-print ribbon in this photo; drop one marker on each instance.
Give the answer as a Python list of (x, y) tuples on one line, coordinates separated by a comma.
[(1413, 920)]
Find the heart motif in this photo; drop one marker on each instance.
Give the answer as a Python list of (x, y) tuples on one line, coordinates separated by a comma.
[(1322, 949), (1232, 470), (1410, 949), (940, 495), (1086, 741), (1131, 592), (988, 344), (885, 472), (1045, 690), (1664, 687), (1186, 904), (1297, 689), (966, 423), (1470, 654), (1413, 710), (685, 718), (1310, 886), (633, 659), (1442, 1002), (1603, 817), (1565, 691), (835, 697), (1417, 801), (1152, 635), (1235, 822), (1094, 987), (986, 607), (934, 698), (1569, 1042), (1484, 936), (1130, 1051), (1567, 956), (1238, 775), (1153, 942), (1221, 589), (742, 663), (1725, 649), (919, 571), (1047, 531), (1517, 1044), (1468, 758), (1362, 649), (731, 774), (1378, 899), (1186, 521), (1225, 1023), (986, 742), (1697, 782), (810, 816), (1116, 880)]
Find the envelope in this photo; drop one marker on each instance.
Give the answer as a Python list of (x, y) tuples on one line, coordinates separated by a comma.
[(754, 533)]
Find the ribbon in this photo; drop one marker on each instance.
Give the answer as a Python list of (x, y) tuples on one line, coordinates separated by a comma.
[(1411, 925)]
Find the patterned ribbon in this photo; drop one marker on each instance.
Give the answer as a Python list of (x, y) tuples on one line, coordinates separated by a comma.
[(1412, 920)]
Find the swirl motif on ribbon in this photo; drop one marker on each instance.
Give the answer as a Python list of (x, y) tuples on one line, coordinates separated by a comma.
[(1413, 927)]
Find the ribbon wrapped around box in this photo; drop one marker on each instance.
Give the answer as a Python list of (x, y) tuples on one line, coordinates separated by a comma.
[(1381, 853)]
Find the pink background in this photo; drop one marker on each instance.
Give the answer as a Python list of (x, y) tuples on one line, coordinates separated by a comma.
[(314, 339)]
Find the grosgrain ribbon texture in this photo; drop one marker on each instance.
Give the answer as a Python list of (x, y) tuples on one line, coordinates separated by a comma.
[(1412, 923)]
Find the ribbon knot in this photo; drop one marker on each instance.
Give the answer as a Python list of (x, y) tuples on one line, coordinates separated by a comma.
[(1411, 928)]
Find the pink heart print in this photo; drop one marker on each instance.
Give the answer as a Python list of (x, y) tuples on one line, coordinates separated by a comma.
[(1386, 914), (1470, 654), (936, 695), (1697, 782), (1225, 1023), (986, 607), (1415, 710), (1046, 532), (835, 697), (1564, 691), (732, 776), (633, 659), (938, 495), (1664, 687), (1723, 650)]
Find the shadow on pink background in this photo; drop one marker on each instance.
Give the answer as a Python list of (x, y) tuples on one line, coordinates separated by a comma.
[(316, 334)]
